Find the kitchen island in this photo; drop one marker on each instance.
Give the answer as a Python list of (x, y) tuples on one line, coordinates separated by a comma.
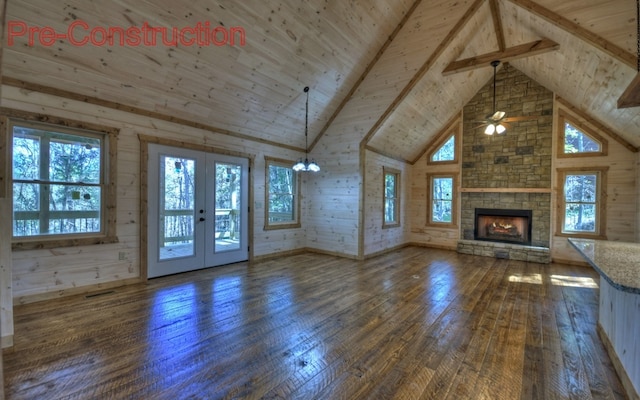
[(618, 264)]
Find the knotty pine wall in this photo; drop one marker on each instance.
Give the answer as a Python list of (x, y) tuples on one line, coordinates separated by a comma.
[(41, 274), (622, 186), (441, 237), (376, 238)]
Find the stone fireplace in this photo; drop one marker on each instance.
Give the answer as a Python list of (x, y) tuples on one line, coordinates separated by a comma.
[(510, 172), (507, 226)]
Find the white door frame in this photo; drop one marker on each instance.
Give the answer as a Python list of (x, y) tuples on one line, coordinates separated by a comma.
[(206, 253)]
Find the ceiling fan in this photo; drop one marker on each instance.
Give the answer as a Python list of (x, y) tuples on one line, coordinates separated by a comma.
[(497, 121)]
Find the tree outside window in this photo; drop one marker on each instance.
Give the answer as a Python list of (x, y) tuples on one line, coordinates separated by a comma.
[(391, 197), (578, 140), (282, 195), (441, 199), (58, 180), (446, 152), (582, 202)]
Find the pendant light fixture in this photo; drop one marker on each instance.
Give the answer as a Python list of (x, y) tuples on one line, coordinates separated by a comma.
[(493, 121), (306, 165)]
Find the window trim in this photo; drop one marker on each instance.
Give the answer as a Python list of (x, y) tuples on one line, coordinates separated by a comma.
[(396, 200), (564, 118), (601, 202), (454, 199), (107, 234), (268, 161)]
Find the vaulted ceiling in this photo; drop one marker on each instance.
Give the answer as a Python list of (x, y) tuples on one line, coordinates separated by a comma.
[(374, 67)]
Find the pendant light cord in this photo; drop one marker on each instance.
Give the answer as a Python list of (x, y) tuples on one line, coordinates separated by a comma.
[(638, 25), (306, 120)]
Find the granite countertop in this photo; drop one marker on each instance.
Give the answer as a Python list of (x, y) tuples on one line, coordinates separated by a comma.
[(617, 262)]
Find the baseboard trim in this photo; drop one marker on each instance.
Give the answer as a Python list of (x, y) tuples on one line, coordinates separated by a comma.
[(33, 298), (6, 341)]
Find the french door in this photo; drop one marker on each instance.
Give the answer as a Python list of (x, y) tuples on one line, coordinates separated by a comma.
[(197, 210)]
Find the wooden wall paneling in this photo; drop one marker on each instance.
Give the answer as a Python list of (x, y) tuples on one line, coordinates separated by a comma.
[(622, 185), (619, 323), (421, 234), (109, 270), (375, 237), (6, 268)]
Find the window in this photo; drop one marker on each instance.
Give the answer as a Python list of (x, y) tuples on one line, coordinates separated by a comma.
[(446, 152), (391, 197), (582, 202), (282, 195), (441, 203), (61, 184), (444, 149), (576, 140)]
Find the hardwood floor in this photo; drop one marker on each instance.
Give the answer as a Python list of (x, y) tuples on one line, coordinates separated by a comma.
[(414, 323)]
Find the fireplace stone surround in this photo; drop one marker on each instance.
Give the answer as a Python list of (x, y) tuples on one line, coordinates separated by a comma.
[(510, 171)]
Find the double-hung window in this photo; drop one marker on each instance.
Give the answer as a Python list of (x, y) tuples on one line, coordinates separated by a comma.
[(582, 202), (60, 184), (282, 195), (441, 203)]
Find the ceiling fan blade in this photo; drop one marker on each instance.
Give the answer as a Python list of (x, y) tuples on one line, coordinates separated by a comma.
[(498, 115), (521, 118)]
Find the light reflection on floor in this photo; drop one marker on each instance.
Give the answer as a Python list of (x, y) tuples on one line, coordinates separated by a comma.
[(557, 280)]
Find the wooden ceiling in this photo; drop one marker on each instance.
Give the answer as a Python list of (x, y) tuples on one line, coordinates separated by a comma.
[(375, 67)]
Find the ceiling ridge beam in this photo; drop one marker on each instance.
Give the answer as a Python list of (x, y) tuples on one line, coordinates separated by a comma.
[(512, 53), (577, 30), (35, 87), (365, 73), (497, 24), (423, 70)]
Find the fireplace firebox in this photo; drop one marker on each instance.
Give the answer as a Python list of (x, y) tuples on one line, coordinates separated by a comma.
[(503, 225)]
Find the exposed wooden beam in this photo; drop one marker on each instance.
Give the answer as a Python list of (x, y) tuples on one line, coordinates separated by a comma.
[(512, 53), (497, 24), (577, 30), (366, 71), (631, 96), (424, 68)]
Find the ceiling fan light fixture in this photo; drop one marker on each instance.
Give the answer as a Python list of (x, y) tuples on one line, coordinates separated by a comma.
[(490, 129), (500, 129), (306, 165)]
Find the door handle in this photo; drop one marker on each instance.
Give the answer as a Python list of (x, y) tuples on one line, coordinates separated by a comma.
[(201, 219)]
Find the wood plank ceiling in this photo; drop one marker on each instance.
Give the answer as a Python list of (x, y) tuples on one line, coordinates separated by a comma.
[(374, 67)]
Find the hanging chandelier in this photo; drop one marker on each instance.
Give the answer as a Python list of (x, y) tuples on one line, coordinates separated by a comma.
[(306, 165)]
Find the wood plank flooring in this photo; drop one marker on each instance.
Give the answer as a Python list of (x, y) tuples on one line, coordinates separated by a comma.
[(412, 324)]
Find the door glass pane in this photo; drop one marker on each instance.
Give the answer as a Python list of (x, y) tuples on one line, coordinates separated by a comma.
[(177, 207), (227, 198)]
